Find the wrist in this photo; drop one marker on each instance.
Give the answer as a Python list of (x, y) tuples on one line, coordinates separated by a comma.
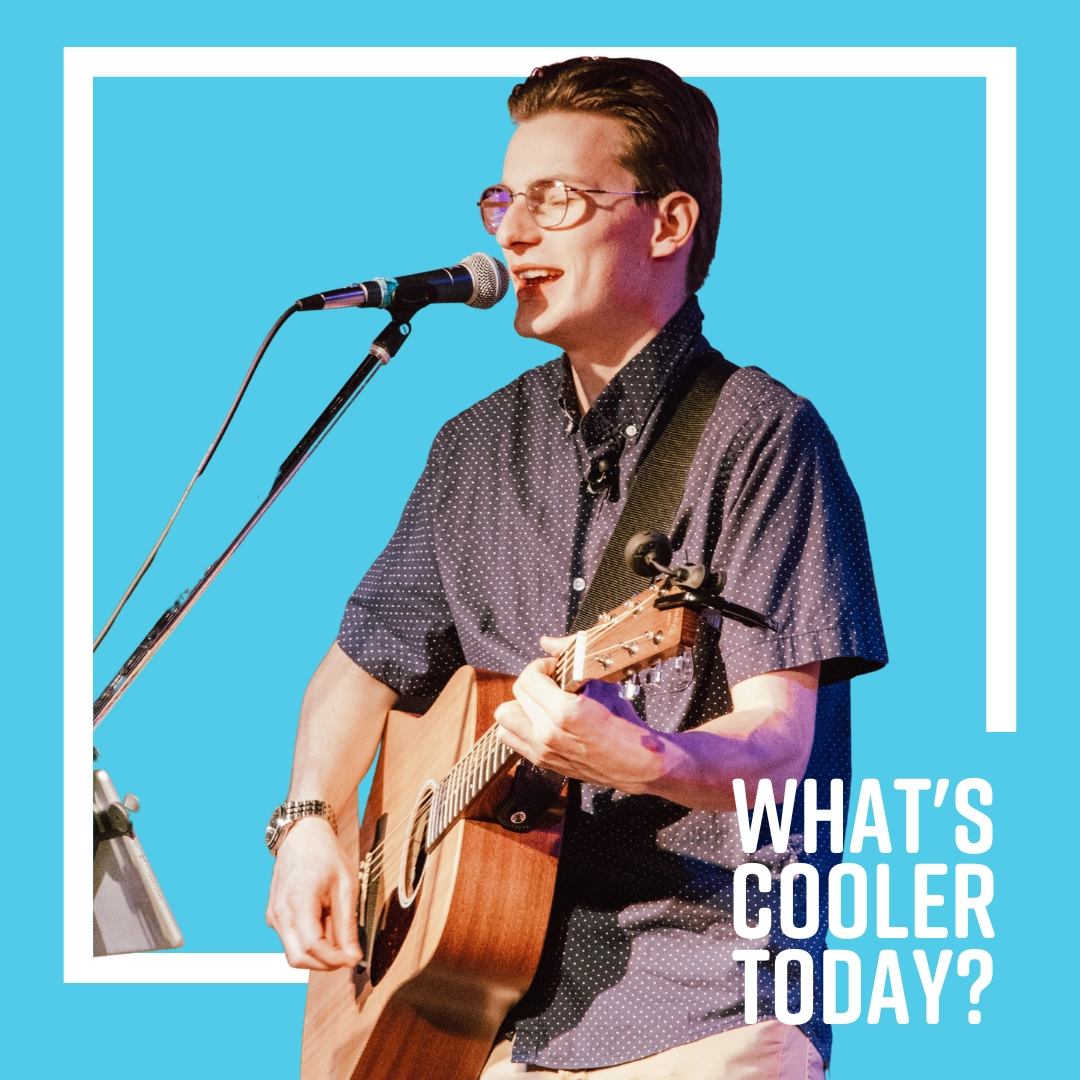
[(304, 832), (648, 761), (664, 764), (286, 816)]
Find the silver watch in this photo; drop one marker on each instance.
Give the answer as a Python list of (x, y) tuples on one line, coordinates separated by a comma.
[(289, 813)]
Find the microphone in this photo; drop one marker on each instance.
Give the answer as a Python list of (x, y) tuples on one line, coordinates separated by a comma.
[(479, 281)]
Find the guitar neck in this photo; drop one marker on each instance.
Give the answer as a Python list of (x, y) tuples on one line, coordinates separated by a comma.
[(466, 782), (628, 639)]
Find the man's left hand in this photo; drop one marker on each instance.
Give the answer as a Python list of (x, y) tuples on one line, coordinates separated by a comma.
[(768, 734), (576, 736)]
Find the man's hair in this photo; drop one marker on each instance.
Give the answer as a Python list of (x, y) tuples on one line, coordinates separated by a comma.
[(672, 134)]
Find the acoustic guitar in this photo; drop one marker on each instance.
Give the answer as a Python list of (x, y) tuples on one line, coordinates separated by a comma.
[(460, 843)]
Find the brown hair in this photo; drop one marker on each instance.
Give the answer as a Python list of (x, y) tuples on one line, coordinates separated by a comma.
[(672, 134)]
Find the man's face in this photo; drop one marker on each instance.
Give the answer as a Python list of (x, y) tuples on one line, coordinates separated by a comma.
[(591, 275)]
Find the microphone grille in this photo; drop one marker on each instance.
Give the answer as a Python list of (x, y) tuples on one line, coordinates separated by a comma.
[(490, 280)]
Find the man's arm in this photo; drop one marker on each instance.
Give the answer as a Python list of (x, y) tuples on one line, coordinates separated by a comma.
[(769, 733), (313, 891)]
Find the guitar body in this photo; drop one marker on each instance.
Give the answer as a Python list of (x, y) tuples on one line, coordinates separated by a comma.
[(448, 963), (454, 906)]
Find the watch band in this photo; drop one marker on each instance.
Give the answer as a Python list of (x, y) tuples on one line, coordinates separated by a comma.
[(289, 813)]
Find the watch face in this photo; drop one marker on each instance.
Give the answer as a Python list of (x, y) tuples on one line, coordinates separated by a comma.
[(284, 816), (274, 828)]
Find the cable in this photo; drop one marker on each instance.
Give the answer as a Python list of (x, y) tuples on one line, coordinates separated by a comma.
[(198, 472)]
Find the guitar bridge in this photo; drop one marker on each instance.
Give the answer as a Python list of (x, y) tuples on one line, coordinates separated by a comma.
[(368, 905)]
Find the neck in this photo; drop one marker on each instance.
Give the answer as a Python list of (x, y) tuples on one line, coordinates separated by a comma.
[(596, 361)]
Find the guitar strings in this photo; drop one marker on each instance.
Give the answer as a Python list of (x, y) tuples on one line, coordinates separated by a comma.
[(597, 630), (459, 771), (376, 856), (621, 645), (479, 749), (478, 752)]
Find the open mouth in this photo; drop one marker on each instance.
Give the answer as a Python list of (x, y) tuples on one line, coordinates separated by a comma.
[(537, 276)]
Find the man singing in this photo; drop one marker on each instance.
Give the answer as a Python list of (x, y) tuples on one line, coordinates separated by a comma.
[(607, 212)]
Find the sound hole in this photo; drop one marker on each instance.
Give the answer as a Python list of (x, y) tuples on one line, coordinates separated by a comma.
[(414, 853), (393, 927), (396, 916)]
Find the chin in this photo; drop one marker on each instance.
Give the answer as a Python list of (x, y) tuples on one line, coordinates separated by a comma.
[(543, 321), (535, 321)]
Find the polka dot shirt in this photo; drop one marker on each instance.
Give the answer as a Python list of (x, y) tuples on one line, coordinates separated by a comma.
[(495, 547)]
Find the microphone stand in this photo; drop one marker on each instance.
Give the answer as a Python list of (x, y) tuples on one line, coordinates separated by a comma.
[(382, 350)]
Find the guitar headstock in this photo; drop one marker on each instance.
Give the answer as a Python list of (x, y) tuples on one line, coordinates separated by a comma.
[(659, 623), (631, 638)]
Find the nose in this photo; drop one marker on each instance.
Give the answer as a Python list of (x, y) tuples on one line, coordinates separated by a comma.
[(518, 229)]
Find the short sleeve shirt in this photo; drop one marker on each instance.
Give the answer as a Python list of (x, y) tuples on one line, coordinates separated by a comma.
[(496, 547)]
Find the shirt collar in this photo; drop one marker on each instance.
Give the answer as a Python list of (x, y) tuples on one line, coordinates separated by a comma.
[(627, 402)]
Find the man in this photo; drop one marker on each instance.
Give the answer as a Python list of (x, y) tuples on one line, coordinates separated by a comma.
[(607, 214)]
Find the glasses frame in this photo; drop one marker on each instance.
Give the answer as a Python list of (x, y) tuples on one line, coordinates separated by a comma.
[(567, 188)]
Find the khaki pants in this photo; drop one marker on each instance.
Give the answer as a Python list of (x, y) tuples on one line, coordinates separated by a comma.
[(768, 1050)]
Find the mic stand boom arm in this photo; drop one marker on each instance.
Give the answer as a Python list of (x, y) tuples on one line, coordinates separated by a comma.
[(383, 348)]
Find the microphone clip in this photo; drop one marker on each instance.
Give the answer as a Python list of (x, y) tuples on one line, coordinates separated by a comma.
[(603, 475), (402, 307)]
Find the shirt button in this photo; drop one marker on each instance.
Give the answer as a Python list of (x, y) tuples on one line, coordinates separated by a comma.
[(631, 430), (579, 584)]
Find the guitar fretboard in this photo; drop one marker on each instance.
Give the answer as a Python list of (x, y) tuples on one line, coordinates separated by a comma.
[(468, 778), (465, 781)]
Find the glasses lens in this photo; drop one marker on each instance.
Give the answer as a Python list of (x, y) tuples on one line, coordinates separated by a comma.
[(493, 206), (546, 199)]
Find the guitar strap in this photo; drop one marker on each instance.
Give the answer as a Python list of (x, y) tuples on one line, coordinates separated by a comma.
[(657, 488), (654, 497)]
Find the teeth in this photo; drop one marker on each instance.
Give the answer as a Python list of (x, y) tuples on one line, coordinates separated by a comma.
[(534, 275)]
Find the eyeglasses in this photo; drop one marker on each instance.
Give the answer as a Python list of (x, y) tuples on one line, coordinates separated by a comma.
[(547, 201)]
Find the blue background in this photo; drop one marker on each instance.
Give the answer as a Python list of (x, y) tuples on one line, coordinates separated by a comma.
[(850, 266)]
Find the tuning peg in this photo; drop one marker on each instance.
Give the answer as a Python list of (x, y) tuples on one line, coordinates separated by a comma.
[(629, 688), (131, 803), (654, 675), (679, 672)]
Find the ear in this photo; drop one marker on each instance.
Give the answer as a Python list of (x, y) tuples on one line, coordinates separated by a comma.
[(673, 224)]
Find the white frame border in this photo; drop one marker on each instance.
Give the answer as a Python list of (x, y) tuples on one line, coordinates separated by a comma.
[(81, 65)]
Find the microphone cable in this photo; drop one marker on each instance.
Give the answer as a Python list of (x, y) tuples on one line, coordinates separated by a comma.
[(483, 285), (198, 472)]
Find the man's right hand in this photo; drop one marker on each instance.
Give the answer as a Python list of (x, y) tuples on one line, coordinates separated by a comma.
[(313, 891), (313, 895)]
